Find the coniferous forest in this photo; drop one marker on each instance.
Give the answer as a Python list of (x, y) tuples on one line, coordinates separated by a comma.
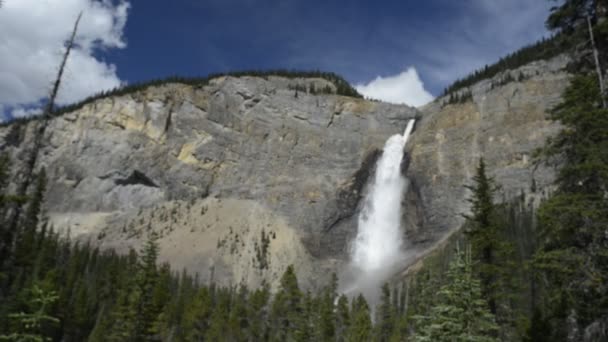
[(486, 285)]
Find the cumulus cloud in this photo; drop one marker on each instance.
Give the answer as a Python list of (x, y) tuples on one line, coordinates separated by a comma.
[(32, 37), (404, 88)]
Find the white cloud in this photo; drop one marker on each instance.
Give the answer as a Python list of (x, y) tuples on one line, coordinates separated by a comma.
[(21, 112), (32, 36), (404, 88)]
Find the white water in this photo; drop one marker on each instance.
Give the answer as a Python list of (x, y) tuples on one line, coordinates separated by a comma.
[(377, 248)]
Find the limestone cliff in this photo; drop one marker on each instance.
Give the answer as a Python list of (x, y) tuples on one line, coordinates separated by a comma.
[(241, 177), (504, 123)]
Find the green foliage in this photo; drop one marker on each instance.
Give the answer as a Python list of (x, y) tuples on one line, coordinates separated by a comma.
[(385, 316), (459, 97), (103, 296), (570, 13), (361, 328), (580, 147), (287, 307), (262, 253), (31, 326), (572, 258), (460, 313), (483, 228)]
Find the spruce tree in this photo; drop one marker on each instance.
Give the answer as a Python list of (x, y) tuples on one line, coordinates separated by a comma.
[(572, 258), (327, 319), (218, 322), (385, 316), (258, 313), (197, 315), (143, 296), (31, 325), (25, 248), (342, 319), (460, 313), (361, 328), (287, 308), (482, 229)]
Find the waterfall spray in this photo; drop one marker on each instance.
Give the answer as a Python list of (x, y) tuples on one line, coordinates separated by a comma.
[(377, 248)]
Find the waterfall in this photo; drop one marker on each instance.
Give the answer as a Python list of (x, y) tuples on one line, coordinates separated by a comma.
[(377, 249)]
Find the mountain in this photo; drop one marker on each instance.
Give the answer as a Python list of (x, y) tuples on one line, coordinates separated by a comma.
[(240, 177), (244, 175)]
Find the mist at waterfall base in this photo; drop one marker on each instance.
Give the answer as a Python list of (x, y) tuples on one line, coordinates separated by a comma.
[(377, 250)]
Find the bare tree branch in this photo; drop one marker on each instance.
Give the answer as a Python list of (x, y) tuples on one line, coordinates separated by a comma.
[(32, 155), (598, 68)]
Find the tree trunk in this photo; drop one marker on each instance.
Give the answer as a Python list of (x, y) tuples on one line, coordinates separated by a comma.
[(598, 68), (32, 156)]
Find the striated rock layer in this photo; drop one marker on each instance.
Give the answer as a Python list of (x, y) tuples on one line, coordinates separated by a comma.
[(239, 178), (504, 124), (242, 177)]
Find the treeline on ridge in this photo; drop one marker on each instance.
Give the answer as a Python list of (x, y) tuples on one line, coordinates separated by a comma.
[(543, 49), (342, 87)]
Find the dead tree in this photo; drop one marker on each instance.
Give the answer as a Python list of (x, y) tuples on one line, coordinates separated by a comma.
[(31, 156), (598, 68)]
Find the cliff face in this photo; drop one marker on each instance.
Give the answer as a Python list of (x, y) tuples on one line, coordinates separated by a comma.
[(239, 178), (504, 123), (242, 177)]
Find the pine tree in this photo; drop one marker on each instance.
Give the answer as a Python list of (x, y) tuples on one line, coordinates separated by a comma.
[(218, 322), (386, 315), (342, 319), (327, 319), (143, 296), (573, 12), (238, 321), (197, 315), (287, 308), (5, 165), (26, 235), (31, 326), (361, 328), (493, 253), (573, 246), (460, 313), (258, 315), (482, 230)]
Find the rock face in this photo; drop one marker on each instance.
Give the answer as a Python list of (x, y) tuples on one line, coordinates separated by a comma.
[(242, 177), (239, 178), (504, 124)]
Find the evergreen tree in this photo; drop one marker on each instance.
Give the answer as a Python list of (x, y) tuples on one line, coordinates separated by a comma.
[(143, 296), (574, 12), (31, 326), (327, 319), (26, 235), (197, 315), (343, 319), (287, 308), (258, 315), (573, 246), (482, 230), (460, 313), (361, 328), (386, 315), (218, 322), (238, 321)]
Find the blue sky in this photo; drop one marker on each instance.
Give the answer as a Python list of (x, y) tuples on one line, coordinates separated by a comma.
[(421, 46)]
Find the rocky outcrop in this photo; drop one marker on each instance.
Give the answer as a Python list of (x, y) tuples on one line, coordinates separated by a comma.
[(504, 124), (239, 178), (243, 177)]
